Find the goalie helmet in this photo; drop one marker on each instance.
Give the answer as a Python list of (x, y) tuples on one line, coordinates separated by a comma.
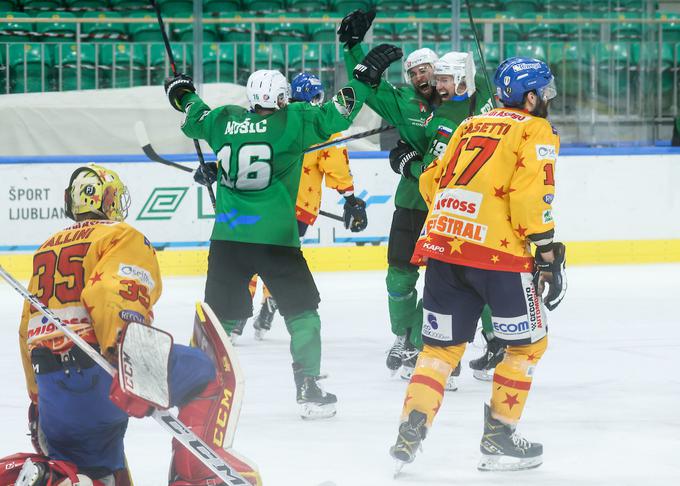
[(307, 87), (418, 57), (461, 66), (96, 189), (519, 75), (267, 89)]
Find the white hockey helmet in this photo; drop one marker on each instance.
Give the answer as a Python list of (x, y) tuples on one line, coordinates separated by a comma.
[(265, 87), (418, 57), (461, 66)]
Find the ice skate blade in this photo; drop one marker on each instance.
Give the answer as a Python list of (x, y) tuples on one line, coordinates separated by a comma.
[(451, 385), (259, 334), (316, 411), (482, 375), (508, 463), (399, 465)]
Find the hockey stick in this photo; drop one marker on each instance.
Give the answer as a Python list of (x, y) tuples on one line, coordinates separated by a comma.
[(356, 136), (481, 54), (171, 58), (168, 421), (147, 148)]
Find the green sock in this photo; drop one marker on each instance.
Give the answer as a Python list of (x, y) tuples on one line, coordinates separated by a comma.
[(402, 298), (487, 325), (305, 341), (229, 324), (416, 334)]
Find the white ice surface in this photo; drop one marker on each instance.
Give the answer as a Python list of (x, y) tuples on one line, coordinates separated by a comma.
[(605, 401)]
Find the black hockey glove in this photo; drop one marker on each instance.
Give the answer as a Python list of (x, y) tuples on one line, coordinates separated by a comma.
[(401, 158), (176, 88), (371, 68), (355, 214), (206, 174), (354, 26), (553, 274)]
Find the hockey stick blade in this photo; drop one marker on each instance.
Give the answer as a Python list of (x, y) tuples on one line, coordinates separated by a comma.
[(143, 139), (169, 422)]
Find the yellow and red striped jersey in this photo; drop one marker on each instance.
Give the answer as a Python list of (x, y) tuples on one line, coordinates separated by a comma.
[(331, 163), (94, 275), (490, 191)]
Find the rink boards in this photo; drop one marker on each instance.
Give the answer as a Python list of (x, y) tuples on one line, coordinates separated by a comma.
[(610, 208)]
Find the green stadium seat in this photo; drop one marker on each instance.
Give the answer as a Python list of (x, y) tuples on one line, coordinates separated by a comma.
[(85, 4), (26, 67), (8, 6), (310, 56), (264, 5), (235, 32), (66, 61), (526, 49), (3, 70), (511, 31), (384, 32), (587, 31), (176, 8), (519, 7), (624, 29), (307, 5), (443, 31), (144, 32), (104, 31), (125, 6), (286, 31), (185, 32), (613, 61), (57, 31), (542, 30), (409, 31), (267, 56), (434, 8), (570, 62), (322, 32), (220, 6), (388, 6), (656, 63), (219, 63), (596, 6), (671, 32), (30, 5), (122, 65), (11, 31), (343, 7), (159, 65)]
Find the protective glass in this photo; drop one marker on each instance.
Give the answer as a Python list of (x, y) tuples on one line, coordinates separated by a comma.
[(549, 91)]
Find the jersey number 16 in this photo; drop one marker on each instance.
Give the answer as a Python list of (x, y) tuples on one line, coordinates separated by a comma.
[(249, 170)]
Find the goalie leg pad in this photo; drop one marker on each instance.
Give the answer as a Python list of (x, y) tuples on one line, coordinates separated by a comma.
[(39, 470), (512, 380)]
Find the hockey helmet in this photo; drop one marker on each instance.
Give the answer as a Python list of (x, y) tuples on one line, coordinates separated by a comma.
[(96, 189), (307, 87), (268, 89), (519, 75), (418, 57), (461, 66)]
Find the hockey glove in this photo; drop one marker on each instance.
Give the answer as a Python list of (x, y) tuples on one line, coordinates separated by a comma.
[(354, 26), (176, 88), (132, 405), (553, 274), (206, 174), (371, 68), (402, 157), (355, 214)]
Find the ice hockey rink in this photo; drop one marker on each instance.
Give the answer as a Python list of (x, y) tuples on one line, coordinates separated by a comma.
[(604, 401)]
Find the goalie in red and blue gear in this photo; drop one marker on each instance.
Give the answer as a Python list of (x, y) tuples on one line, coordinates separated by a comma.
[(98, 275)]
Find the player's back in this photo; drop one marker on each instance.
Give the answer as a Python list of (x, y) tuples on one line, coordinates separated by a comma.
[(490, 189)]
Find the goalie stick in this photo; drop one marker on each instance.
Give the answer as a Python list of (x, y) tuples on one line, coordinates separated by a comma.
[(167, 420), (150, 152)]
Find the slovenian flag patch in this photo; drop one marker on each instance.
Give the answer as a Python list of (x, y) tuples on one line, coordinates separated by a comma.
[(444, 131)]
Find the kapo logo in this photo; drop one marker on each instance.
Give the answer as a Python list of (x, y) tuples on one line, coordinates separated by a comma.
[(162, 203)]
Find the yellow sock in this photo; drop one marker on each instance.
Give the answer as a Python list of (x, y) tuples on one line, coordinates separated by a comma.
[(425, 392), (265, 292), (252, 286), (512, 380)]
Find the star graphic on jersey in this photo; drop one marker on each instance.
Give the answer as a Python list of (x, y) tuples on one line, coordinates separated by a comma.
[(306, 204), (495, 259), (97, 277), (309, 189), (307, 170), (520, 230), (519, 164), (429, 238), (499, 192), (532, 357), (96, 198), (511, 400), (298, 212), (455, 245), (504, 243), (526, 265), (325, 154), (525, 136)]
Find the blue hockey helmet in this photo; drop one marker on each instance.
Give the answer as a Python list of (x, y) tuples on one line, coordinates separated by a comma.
[(519, 75), (307, 87)]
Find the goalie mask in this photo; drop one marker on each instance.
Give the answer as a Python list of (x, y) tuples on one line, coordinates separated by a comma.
[(95, 189), (267, 89), (455, 75)]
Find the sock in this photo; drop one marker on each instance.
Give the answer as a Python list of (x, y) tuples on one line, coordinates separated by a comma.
[(402, 298), (305, 341)]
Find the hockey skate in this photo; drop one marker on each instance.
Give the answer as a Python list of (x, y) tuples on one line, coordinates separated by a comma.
[(503, 449), (263, 321), (237, 331), (411, 433), (395, 354), (409, 363), (315, 403), (483, 366)]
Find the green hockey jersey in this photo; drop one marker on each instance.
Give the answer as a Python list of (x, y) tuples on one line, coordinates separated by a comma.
[(260, 160)]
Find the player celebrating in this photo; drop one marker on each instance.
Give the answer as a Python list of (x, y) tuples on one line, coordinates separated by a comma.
[(489, 196), (260, 160), (97, 276), (331, 165)]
